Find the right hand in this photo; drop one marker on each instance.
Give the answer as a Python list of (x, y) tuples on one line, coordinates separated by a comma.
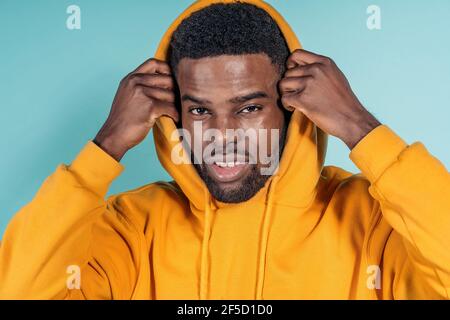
[(143, 96)]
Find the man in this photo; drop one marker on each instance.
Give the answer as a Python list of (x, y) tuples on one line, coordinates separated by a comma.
[(223, 229)]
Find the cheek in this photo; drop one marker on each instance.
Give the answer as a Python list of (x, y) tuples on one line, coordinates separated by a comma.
[(268, 129), (184, 117), (188, 131)]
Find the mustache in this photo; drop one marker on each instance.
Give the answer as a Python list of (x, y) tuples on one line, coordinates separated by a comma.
[(227, 157), (229, 152)]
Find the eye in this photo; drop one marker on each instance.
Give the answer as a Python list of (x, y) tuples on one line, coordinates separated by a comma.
[(251, 109), (198, 111)]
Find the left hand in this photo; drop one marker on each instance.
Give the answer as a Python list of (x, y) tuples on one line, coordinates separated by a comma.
[(314, 85)]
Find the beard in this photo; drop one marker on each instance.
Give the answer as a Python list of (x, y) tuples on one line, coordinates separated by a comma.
[(249, 185)]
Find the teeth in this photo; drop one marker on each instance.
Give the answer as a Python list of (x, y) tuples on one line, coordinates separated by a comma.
[(229, 164), (221, 164)]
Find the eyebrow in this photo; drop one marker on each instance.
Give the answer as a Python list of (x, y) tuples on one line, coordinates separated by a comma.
[(235, 100)]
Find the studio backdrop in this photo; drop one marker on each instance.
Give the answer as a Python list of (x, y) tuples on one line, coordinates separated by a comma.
[(61, 62)]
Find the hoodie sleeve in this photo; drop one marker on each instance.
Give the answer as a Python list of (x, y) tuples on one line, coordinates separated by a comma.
[(413, 189), (68, 242)]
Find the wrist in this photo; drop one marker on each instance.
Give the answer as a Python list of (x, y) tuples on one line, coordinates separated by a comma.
[(110, 146), (359, 129)]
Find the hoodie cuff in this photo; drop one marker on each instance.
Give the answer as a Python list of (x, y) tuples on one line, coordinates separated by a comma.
[(377, 151), (95, 169)]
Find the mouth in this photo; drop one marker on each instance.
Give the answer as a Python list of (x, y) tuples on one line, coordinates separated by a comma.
[(228, 171)]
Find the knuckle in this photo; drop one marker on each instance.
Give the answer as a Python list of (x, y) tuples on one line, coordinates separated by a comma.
[(124, 80), (316, 68), (151, 103), (152, 61), (327, 61), (139, 90), (130, 79), (133, 77)]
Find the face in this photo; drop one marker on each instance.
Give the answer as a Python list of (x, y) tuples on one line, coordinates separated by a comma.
[(231, 93)]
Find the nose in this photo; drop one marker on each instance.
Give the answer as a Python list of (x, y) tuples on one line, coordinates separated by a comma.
[(222, 124)]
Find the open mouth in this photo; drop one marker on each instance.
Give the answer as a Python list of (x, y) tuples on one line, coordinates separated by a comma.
[(228, 171)]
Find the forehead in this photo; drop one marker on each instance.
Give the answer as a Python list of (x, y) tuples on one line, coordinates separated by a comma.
[(227, 73)]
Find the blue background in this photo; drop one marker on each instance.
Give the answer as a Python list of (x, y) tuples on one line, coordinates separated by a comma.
[(57, 85)]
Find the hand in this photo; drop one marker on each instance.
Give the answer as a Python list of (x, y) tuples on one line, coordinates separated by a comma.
[(143, 96), (314, 85)]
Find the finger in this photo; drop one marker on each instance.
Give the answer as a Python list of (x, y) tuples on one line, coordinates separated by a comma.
[(303, 57), (287, 106), (152, 80), (164, 108), (158, 93), (153, 66), (289, 101), (302, 71), (293, 84)]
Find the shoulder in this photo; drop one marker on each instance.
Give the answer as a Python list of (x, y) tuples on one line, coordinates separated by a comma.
[(349, 196), (159, 190), (149, 202), (344, 183)]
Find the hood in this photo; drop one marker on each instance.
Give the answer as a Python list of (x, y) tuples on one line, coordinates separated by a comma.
[(294, 184), (303, 157)]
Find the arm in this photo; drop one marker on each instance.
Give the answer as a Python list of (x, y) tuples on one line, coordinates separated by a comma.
[(68, 226), (413, 189), (55, 230)]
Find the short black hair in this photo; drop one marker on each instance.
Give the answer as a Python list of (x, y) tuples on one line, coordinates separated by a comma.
[(228, 29)]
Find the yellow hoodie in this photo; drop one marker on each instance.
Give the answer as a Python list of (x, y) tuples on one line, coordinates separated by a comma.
[(311, 232)]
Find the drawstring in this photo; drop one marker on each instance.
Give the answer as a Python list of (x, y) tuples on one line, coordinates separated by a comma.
[(204, 254), (263, 245), (264, 240)]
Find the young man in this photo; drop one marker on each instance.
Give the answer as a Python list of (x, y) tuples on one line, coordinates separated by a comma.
[(228, 229)]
